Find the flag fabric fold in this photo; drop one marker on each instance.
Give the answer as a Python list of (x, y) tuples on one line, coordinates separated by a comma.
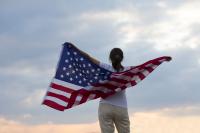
[(78, 79)]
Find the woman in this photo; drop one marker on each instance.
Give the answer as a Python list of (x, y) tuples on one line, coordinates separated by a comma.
[(113, 109)]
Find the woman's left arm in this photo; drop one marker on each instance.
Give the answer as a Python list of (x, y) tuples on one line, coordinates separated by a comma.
[(87, 55)]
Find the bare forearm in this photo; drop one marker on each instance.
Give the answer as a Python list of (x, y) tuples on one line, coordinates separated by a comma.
[(91, 58)]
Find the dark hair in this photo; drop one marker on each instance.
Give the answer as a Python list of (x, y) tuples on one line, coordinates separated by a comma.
[(116, 57)]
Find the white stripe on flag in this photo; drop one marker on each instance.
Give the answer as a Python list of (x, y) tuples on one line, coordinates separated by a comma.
[(115, 83), (66, 84), (145, 72), (91, 96), (56, 100), (149, 65), (154, 66), (59, 92), (102, 89), (162, 60), (78, 99), (135, 70), (124, 77), (128, 84), (136, 79), (118, 89)]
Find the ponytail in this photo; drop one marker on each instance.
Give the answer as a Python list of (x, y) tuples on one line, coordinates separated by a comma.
[(116, 57)]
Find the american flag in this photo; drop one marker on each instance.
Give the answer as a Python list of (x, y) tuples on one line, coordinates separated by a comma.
[(78, 79)]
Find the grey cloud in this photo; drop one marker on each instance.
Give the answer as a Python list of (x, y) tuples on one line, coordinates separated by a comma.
[(32, 32)]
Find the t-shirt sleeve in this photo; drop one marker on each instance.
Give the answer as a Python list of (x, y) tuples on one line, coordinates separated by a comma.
[(106, 66), (110, 68)]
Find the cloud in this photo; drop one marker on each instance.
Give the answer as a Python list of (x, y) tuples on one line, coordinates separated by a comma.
[(120, 21), (25, 69), (176, 31), (9, 126), (27, 116), (143, 122), (157, 122), (34, 99), (32, 33)]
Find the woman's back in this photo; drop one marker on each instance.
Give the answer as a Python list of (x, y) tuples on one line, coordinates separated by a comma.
[(119, 98)]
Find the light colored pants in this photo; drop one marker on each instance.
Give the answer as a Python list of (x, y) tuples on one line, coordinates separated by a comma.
[(110, 115)]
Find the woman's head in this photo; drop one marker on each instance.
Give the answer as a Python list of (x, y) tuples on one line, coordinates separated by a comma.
[(116, 57)]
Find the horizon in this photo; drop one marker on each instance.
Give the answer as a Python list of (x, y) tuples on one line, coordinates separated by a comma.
[(32, 34)]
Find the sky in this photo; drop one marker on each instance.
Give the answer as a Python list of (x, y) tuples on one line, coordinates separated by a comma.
[(31, 38)]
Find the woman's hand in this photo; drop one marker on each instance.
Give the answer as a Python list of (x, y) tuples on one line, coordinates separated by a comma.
[(73, 46), (86, 55), (169, 58)]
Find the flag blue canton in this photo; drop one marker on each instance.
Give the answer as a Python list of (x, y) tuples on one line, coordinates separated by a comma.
[(77, 69)]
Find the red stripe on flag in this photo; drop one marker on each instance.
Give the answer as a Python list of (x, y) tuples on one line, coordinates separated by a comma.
[(154, 61), (53, 105), (72, 99), (61, 88), (141, 76), (129, 74), (118, 80), (149, 69), (61, 97), (133, 82), (106, 85), (157, 63), (85, 95)]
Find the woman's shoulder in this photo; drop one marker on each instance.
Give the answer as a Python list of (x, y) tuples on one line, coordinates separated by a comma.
[(127, 68), (106, 66), (110, 67)]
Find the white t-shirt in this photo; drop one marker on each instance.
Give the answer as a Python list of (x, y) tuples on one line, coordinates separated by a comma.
[(119, 98)]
